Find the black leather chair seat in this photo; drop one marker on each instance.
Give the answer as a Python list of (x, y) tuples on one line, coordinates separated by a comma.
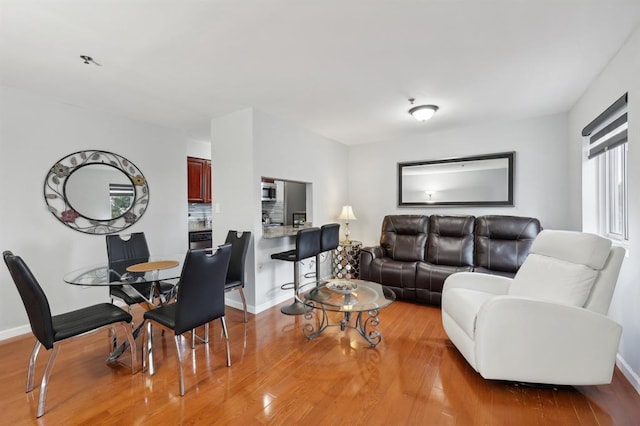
[(165, 315), (86, 319), (232, 284), (144, 288)]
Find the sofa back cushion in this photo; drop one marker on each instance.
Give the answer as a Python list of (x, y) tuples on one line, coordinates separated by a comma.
[(451, 240), (404, 237), (502, 243), (562, 267)]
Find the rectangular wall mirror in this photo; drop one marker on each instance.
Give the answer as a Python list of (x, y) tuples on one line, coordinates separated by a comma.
[(483, 180)]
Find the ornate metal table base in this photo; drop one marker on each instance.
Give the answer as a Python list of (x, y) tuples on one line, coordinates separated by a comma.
[(365, 323)]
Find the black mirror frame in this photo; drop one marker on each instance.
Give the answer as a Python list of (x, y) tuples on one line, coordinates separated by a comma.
[(59, 207), (510, 191)]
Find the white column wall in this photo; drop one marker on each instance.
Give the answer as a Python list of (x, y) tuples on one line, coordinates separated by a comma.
[(249, 144), (618, 77), (35, 132)]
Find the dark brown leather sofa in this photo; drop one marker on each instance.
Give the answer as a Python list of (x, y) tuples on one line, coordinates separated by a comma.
[(417, 253)]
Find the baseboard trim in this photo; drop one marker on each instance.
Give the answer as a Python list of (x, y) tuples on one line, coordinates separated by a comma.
[(15, 332), (628, 372)]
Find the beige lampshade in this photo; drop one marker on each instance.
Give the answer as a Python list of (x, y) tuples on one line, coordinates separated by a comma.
[(347, 214)]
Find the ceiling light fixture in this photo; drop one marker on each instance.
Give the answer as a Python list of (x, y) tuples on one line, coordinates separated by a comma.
[(89, 60), (422, 112)]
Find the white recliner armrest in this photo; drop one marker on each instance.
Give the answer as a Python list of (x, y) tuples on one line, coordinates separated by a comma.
[(487, 283), (536, 341)]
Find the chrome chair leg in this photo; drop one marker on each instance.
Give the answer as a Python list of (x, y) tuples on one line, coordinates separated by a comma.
[(226, 336), (132, 345), (32, 366), (148, 349), (177, 338), (204, 339), (45, 381), (244, 303), (113, 338)]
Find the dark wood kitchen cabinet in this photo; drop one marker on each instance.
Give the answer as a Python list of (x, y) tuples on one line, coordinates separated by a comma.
[(198, 180)]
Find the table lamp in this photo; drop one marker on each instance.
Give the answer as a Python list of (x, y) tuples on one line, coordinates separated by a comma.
[(347, 214)]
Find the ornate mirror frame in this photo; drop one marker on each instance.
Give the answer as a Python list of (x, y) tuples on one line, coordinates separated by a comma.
[(58, 204)]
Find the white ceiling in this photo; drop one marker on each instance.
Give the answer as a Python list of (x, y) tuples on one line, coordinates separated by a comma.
[(341, 68)]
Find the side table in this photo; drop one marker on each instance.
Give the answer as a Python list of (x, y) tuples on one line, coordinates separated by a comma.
[(346, 259)]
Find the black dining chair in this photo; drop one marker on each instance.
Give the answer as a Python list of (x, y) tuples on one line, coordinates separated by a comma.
[(200, 300), (50, 330), (235, 275), (124, 251)]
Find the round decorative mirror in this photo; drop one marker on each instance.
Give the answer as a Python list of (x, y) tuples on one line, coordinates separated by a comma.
[(96, 192)]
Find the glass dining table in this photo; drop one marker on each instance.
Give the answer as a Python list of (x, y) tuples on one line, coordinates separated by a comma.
[(156, 269)]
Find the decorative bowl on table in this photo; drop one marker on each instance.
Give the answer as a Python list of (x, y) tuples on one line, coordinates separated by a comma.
[(342, 286)]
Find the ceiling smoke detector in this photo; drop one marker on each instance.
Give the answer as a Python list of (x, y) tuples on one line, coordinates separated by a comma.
[(89, 60)]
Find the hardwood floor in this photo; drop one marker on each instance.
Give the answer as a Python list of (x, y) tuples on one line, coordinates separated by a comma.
[(277, 376)]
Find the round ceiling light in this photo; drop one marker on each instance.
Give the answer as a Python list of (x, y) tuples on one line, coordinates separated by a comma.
[(423, 112)]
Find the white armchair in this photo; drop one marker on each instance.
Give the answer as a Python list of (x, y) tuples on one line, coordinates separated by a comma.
[(546, 325)]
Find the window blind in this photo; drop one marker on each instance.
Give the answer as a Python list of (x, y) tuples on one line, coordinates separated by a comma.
[(121, 190), (609, 129)]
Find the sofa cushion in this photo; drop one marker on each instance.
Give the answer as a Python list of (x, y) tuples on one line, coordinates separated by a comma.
[(451, 240), (393, 273), (502, 243), (404, 237), (556, 280), (430, 280), (463, 306)]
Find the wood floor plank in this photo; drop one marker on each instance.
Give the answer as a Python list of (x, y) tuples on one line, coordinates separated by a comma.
[(278, 376)]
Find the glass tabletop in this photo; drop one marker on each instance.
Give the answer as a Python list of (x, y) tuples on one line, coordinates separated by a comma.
[(366, 296), (102, 275)]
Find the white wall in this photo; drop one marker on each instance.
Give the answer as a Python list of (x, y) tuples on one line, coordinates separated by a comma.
[(199, 149), (34, 133), (620, 76), (541, 188), (249, 144)]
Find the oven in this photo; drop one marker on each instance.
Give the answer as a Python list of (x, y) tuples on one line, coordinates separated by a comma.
[(200, 240)]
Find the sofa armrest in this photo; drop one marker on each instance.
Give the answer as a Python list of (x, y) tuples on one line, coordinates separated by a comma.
[(367, 256), (494, 284), (542, 342)]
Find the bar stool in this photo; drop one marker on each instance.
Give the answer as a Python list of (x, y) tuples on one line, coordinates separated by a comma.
[(329, 240), (307, 245)]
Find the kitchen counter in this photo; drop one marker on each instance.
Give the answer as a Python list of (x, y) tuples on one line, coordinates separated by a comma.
[(282, 231)]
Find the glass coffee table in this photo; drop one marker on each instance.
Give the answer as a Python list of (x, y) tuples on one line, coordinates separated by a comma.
[(359, 298)]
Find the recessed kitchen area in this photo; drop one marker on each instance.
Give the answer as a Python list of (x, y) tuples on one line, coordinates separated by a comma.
[(285, 205), (199, 202)]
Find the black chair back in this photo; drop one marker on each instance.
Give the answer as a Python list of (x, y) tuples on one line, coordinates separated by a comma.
[(123, 252), (34, 299), (329, 236), (239, 247), (201, 288), (307, 243)]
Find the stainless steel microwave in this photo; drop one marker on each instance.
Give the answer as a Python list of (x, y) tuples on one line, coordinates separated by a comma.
[(268, 191)]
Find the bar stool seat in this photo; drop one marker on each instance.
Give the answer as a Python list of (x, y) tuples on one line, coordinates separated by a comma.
[(307, 245)]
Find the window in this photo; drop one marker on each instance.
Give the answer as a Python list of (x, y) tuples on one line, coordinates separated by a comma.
[(608, 146), (121, 198)]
